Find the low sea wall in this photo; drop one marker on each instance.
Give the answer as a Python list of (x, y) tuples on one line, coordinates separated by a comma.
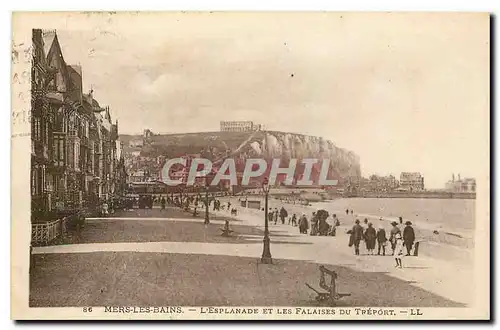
[(314, 195), (424, 194)]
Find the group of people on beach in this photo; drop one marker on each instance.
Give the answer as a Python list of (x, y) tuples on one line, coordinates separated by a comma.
[(398, 240), (274, 214), (318, 225)]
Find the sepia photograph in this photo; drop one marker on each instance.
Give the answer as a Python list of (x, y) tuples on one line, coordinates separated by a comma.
[(209, 165)]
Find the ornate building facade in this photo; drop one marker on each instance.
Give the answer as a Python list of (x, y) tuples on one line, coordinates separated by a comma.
[(74, 161)]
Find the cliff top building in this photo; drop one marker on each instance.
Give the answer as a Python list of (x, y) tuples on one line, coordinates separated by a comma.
[(239, 126)]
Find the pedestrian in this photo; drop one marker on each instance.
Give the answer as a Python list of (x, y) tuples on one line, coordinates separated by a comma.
[(352, 212), (370, 238), (333, 231), (336, 220), (111, 206), (228, 205), (162, 201), (333, 227), (381, 240), (323, 227), (408, 237), (392, 238), (398, 252), (294, 220), (314, 224), (303, 224), (366, 221), (400, 220), (104, 208), (283, 215), (347, 212), (226, 230), (357, 236)]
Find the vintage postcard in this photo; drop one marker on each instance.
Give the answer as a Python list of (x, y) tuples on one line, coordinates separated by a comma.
[(250, 166)]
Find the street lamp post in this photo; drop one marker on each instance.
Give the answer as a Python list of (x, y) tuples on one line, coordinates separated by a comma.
[(266, 252), (207, 220)]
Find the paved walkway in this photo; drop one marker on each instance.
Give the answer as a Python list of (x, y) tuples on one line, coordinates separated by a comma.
[(445, 278), (197, 220)]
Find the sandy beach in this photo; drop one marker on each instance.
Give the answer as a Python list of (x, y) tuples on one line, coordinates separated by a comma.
[(439, 255)]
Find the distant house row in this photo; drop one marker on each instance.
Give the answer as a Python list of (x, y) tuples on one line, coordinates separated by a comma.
[(465, 185), (76, 158), (408, 181)]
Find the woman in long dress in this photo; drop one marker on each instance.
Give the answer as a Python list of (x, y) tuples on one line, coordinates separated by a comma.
[(303, 224), (370, 238), (398, 250)]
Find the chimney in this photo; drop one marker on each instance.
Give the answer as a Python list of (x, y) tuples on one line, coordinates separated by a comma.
[(453, 177)]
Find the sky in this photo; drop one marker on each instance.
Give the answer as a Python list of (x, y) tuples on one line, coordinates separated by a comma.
[(406, 92)]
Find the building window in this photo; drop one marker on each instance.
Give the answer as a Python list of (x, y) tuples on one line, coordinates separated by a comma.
[(36, 181), (36, 128), (56, 183), (58, 125), (33, 181), (64, 124), (76, 151), (72, 128), (59, 150), (46, 133), (49, 183)]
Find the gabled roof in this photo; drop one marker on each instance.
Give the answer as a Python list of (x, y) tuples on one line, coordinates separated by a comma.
[(95, 104), (75, 76), (38, 44), (48, 39), (55, 57), (89, 98)]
